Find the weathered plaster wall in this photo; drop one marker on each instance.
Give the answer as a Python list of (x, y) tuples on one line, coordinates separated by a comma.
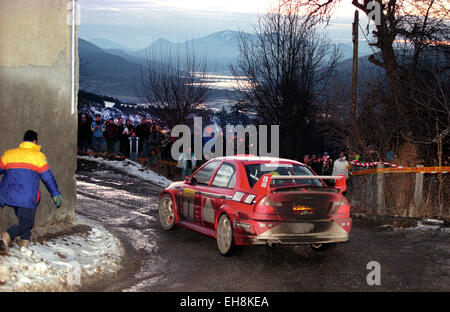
[(36, 93)]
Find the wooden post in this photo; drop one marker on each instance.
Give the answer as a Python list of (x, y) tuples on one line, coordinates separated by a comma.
[(418, 193), (380, 191), (355, 70), (440, 177)]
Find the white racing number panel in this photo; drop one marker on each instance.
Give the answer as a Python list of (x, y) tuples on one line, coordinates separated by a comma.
[(208, 210)]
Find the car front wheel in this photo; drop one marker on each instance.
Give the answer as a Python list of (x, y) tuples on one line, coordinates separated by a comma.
[(225, 241), (165, 211)]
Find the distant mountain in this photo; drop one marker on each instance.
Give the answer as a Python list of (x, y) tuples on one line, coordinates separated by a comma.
[(107, 44), (366, 70), (219, 48), (105, 73), (125, 55), (347, 49), (115, 72)]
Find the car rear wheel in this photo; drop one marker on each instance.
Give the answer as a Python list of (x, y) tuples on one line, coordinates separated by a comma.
[(165, 211), (323, 248), (225, 241)]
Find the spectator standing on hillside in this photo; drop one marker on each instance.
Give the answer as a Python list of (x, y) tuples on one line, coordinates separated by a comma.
[(327, 164), (120, 135), (155, 139), (142, 132), (126, 134), (341, 166), (186, 162), (153, 158), (111, 134), (134, 146), (316, 164), (89, 121), (327, 168), (88, 116), (22, 169), (166, 151), (97, 128), (84, 133), (307, 160)]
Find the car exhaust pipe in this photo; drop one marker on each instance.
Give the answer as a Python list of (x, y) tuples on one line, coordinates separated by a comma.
[(273, 242)]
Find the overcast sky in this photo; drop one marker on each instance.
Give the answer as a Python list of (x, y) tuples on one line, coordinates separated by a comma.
[(137, 23)]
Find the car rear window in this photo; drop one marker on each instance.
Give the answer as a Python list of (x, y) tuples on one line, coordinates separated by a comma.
[(255, 171), (224, 176)]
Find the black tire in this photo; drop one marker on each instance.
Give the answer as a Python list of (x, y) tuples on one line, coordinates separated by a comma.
[(323, 248), (165, 212), (225, 236)]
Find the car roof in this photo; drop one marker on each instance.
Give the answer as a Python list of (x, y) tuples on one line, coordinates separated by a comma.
[(257, 159)]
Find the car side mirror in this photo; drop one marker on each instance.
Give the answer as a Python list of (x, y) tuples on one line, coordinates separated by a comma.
[(188, 179)]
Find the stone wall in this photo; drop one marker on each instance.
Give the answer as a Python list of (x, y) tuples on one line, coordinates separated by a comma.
[(36, 93)]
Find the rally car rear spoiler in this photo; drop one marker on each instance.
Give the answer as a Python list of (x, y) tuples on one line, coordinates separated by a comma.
[(264, 182)]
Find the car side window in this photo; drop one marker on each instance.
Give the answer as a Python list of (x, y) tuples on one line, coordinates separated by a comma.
[(232, 181), (204, 175), (224, 176)]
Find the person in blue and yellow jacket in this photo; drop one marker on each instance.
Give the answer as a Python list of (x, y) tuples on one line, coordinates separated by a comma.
[(22, 170)]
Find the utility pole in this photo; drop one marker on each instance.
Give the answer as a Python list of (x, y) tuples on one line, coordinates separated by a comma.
[(355, 71)]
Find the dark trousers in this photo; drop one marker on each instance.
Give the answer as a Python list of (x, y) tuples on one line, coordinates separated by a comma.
[(110, 146), (26, 223), (83, 145)]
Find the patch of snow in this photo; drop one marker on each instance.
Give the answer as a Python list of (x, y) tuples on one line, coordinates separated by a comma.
[(421, 226), (434, 221), (61, 263), (109, 104), (132, 168)]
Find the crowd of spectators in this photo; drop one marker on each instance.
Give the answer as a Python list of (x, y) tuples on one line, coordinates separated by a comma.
[(149, 141), (113, 136), (325, 165)]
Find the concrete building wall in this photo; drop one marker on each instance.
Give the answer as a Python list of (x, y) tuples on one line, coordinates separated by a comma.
[(36, 93)]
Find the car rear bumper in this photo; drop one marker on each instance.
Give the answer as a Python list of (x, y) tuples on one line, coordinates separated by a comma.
[(307, 232)]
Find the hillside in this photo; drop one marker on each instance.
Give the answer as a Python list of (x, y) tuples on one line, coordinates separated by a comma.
[(220, 49), (105, 73)]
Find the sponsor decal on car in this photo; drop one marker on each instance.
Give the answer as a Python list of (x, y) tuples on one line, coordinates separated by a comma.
[(188, 193), (302, 210)]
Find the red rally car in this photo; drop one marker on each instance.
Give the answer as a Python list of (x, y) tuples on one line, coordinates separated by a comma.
[(247, 200)]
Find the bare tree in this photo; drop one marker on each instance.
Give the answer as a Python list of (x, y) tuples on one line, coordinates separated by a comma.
[(287, 68), (174, 85), (410, 39)]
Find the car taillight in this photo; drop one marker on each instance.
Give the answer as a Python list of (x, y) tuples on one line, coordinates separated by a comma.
[(266, 206), (341, 209)]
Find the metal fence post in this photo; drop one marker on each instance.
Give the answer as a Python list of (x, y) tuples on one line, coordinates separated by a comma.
[(418, 188), (380, 191)]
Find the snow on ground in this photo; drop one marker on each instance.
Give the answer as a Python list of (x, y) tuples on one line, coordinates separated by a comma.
[(422, 225), (109, 104), (429, 225), (130, 167), (62, 263)]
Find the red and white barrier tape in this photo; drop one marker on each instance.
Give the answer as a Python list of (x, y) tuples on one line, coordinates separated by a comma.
[(373, 164), (445, 169)]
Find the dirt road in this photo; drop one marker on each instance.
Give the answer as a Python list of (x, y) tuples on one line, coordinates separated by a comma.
[(181, 260)]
